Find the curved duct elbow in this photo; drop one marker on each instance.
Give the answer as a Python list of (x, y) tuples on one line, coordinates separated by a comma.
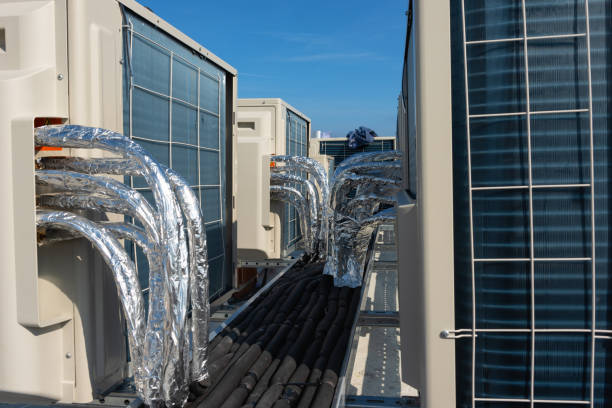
[(339, 196), (182, 276), (375, 177), (124, 273), (367, 157), (316, 170), (293, 197), (312, 201)]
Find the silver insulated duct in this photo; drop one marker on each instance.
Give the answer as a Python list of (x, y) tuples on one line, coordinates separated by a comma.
[(293, 197), (374, 178), (316, 170), (174, 348), (312, 200), (124, 273), (198, 260)]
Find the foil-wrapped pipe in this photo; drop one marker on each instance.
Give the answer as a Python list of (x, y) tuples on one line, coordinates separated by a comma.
[(124, 272), (170, 292), (313, 199), (100, 193), (117, 166), (367, 157), (97, 203), (316, 170), (197, 244), (347, 181), (353, 239), (296, 199), (132, 233), (311, 166), (108, 195), (364, 206), (388, 169), (198, 274), (118, 229), (342, 223)]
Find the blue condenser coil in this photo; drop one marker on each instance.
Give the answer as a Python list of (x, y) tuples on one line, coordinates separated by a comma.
[(296, 144), (175, 107), (532, 141)]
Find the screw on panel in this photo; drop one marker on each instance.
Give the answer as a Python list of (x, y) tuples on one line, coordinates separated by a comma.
[(60, 77), (68, 355), (445, 334)]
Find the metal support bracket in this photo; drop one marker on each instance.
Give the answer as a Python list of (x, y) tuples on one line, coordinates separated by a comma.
[(456, 334), (382, 319)]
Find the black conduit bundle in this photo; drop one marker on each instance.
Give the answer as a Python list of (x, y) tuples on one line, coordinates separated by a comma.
[(286, 349)]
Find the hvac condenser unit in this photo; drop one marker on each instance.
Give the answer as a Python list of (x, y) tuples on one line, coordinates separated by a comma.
[(332, 151), (116, 65), (266, 127), (504, 225)]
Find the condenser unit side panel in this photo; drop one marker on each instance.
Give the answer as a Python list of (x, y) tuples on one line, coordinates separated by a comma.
[(314, 152), (297, 132), (425, 216), (35, 326), (531, 127), (289, 136), (434, 198), (231, 157), (256, 128), (146, 14), (175, 106), (95, 84)]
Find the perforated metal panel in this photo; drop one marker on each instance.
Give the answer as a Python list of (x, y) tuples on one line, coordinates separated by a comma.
[(174, 106), (531, 138)]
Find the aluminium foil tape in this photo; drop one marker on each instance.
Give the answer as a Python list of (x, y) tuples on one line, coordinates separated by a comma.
[(164, 375), (296, 199)]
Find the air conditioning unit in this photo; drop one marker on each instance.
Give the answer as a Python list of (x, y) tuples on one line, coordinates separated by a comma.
[(327, 161), (505, 284), (266, 127), (111, 64)]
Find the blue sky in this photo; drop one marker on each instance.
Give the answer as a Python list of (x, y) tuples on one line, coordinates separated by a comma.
[(339, 62)]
